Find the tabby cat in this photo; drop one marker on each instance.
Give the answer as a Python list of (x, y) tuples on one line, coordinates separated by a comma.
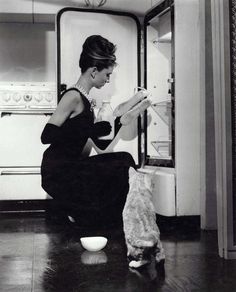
[(142, 234)]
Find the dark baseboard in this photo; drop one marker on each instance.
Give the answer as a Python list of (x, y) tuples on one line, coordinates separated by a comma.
[(179, 223), (23, 205), (21, 208), (49, 208)]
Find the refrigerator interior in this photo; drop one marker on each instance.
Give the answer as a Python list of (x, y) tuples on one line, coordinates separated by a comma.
[(159, 82), (73, 27)]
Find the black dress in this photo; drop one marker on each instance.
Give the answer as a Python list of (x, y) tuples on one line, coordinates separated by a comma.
[(90, 189)]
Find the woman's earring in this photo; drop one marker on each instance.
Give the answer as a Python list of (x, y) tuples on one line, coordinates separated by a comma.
[(93, 75)]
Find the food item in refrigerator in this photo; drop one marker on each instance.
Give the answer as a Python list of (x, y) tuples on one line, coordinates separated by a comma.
[(132, 114), (124, 107)]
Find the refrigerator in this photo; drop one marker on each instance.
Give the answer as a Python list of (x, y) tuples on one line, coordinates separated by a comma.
[(146, 57)]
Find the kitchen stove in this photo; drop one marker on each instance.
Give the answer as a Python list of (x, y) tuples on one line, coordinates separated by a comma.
[(24, 110), (18, 96)]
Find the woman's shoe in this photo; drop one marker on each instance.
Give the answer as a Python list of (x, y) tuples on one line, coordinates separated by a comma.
[(71, 219)]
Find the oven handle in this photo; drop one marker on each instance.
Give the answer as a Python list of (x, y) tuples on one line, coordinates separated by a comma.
[(10, 112), (20, 172)]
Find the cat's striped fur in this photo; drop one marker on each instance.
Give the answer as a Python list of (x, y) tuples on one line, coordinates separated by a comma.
[(142, 234)]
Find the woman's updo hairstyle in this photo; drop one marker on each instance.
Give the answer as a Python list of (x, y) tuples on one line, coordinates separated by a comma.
[(97, 52)]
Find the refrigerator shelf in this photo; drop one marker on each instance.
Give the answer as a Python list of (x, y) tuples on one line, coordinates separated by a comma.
[(162, 147), (163, 110)]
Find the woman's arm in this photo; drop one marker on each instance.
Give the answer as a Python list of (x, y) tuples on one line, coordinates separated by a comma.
[(92, 148), (70, 102), (106, 146)]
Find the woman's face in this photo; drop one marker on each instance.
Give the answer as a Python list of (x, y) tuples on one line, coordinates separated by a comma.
[(102, 77)]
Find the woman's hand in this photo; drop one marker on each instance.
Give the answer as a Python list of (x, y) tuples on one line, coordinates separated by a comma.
[(102, 128)]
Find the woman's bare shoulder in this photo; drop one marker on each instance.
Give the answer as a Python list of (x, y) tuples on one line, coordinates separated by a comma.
[(70, 102), (72, 95)]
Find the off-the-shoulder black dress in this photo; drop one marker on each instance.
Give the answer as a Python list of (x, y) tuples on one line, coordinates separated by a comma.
[(90, 189)]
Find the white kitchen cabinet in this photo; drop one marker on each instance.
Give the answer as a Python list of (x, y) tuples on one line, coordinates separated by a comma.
[(45, 11), (16, 11), (138, 7)]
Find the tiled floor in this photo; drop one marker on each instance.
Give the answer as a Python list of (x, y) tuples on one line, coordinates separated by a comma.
[(37, 255)]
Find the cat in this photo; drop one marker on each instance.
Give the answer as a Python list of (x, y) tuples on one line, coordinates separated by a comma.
[(142, 235)]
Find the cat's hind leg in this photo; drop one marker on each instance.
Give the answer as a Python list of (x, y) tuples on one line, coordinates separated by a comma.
[(138, 264), (160, 260), (159, 252)]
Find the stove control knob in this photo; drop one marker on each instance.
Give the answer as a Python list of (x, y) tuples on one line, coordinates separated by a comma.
[(6, 96), (16, 97), (27, 97), (38, 97), (49, 97)]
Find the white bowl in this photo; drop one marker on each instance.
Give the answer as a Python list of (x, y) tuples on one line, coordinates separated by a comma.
[(93, 243)]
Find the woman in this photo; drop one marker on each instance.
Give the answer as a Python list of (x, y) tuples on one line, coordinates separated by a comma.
[(91, 190)]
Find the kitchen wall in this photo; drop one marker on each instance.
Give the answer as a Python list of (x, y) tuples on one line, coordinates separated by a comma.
[(27, 52), (211, 218)]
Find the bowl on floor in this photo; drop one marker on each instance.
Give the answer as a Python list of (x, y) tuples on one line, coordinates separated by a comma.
[(93, 243)]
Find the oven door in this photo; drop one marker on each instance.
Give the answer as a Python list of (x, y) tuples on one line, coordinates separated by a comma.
[(20, 156), (18, 183), (20, 139)]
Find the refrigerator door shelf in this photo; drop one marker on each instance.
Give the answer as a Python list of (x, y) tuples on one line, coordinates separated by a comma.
[(163, 110), (163, 148)]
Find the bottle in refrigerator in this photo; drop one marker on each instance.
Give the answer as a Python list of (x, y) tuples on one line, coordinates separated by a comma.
[(105, 113)]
